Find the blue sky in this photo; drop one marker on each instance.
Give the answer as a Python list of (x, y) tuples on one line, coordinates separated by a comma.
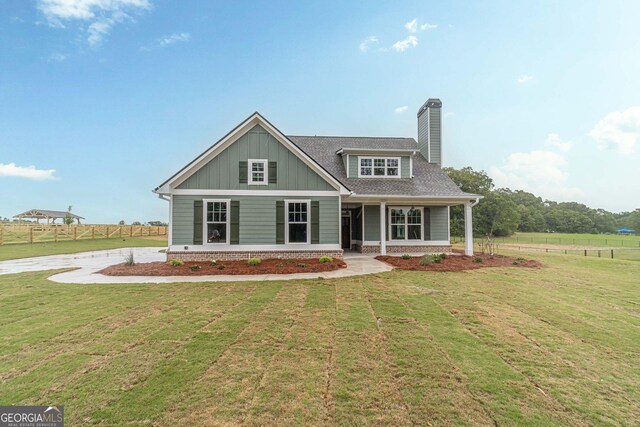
[(114, 96)]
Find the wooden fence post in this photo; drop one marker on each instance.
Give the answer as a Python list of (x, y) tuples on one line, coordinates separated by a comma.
[(611, 253), (585, 252), (30, 234), (55, 234), (131, 231), (93, 231), (107, 231), (120, 231), (75, 232), (1, 232), (598, 253)]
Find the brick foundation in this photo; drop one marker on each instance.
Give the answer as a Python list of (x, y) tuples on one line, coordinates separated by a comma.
[(375, 249), (242, 255)]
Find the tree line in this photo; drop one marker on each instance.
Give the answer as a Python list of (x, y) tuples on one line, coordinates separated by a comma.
[(503, 211)]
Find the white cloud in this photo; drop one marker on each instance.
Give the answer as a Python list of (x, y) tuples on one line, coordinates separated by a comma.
[(541, 172), (554, 140), (524, 79), (402, 45), (173, 38), (402, 109), (29, 172), (56, 57), (101, 15), (368, 43), (413, 27), (618, 131)]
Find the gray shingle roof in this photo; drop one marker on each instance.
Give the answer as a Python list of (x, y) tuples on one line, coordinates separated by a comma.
[(429, 179)]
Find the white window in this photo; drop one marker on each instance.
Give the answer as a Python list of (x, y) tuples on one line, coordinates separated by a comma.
[(297, 215), (379, 167), (216, 221), (405, 223), (258, 172)]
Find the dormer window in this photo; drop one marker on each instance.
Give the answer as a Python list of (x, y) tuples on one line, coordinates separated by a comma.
[(371, 167), (258, 172)]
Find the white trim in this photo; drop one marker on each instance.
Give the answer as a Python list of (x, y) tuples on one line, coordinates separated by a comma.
[(427, 200), (254, 192), (406, 224), (411, 167), (428, 134), (230, 138), (170, 233), (408, 243), (205, 235), (391, 151), (373, 159), (340, 222), (448, 222), (265, 165), (286, 222), (253, 248), (383, 234)]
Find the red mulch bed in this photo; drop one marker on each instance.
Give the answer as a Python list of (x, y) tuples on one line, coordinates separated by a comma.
[(459, 262), (267, 266)]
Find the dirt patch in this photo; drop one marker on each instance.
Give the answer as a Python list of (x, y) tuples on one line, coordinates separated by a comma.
[(459, 262), (267, 266)]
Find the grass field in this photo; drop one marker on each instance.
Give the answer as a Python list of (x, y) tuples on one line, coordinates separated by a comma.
[(600, 240), (26, 250), (510, 346)]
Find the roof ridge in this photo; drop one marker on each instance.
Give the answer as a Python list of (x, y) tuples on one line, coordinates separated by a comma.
[(350, 137)]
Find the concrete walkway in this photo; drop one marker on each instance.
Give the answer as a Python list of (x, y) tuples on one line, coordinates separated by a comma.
[(88, 263)]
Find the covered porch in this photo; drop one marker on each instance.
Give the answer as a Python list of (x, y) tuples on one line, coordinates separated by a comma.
[(402, 225)]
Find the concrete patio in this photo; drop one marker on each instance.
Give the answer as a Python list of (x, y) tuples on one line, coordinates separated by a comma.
[(87, 264)]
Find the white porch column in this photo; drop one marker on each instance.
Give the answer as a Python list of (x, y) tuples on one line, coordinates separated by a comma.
[(383, 229), (468, 230)]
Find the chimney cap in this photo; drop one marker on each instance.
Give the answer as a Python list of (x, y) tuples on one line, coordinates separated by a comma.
[(431, 103)]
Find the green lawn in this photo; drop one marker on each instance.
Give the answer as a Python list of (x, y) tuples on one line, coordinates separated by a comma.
[(511, 346), (602, 240), (24, 250)]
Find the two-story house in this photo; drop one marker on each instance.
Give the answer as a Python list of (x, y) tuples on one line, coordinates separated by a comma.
[(260, 193)]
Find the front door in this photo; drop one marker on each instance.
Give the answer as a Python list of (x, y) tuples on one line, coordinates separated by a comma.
[(346, 232)]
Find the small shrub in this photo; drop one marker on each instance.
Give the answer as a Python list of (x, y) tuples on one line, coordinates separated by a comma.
[(302, 265), (519, 259), (129, 260), (213, 263), (290, 261), (406, 256), (176, 263), (515, 263), (437, 258), (221, 267), (444, 256), (426, 260), (254, 261), (279, 265), (324, 259), (477, 259), (195, 267)]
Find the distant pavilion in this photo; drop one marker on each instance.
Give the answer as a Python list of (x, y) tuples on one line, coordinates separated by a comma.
[(50, 216)]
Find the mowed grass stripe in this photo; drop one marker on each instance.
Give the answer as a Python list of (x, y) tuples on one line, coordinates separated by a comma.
[(364, 389), (119, 328), (154, 394), (18, 388), (292, 390), (220, 395), (432, 386)]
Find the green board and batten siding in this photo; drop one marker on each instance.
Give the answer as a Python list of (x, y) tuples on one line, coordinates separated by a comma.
[(257, 218), (222, 171), (354, 161)]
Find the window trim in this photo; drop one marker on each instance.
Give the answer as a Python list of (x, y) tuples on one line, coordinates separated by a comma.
[(286, 221), (406, 224), (250, 163), (205, 236), (386, 167)]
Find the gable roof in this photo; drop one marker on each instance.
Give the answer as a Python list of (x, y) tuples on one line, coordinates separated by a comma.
[(219, 146), (43, 213), (429, 179)]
